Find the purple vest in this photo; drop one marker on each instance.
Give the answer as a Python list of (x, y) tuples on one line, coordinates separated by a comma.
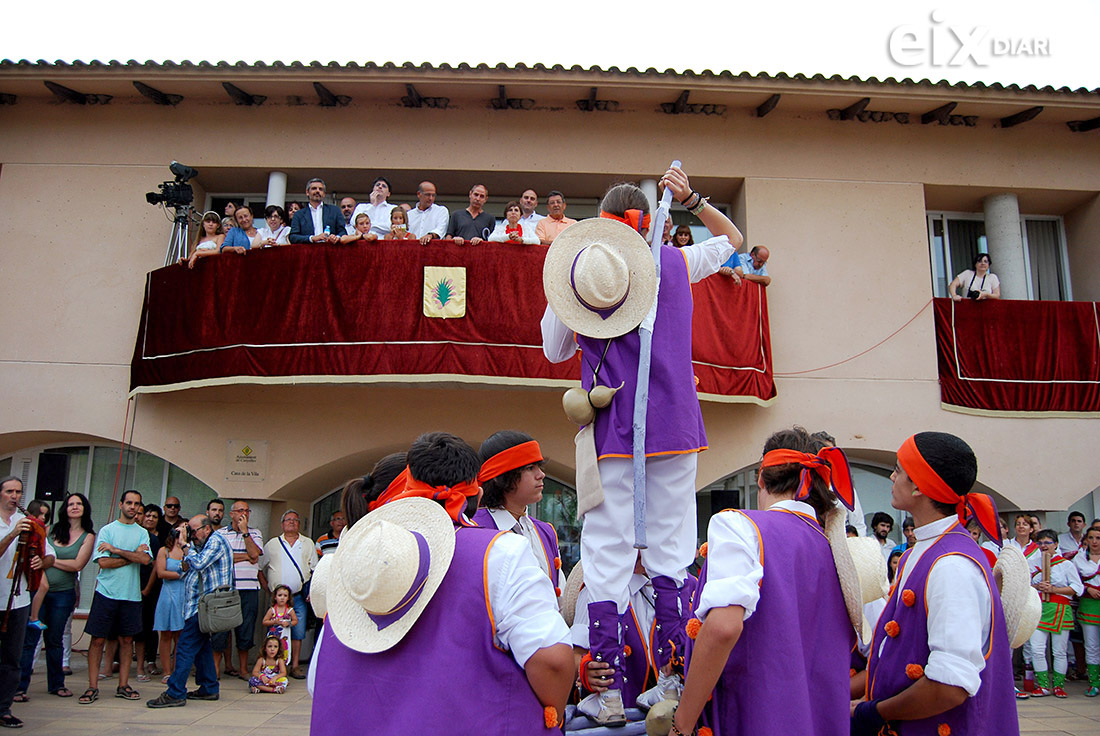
[(548, 535), (674, 422), (788, 672), (444, 676), (993, 710)]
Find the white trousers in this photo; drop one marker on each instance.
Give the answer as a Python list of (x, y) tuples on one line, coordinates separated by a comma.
[(1091, 635), (607, 537), (1058, 650)]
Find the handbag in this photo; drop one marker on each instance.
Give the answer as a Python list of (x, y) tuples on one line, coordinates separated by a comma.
[(220, 610)]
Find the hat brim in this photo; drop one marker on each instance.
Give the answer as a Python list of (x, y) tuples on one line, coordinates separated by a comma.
[(1020, 602), (350, 622), (573, 584), (318, 585), (845, 568), (558, 265)]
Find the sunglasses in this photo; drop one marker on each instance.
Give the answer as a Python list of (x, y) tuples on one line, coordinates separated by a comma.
[(171, 505)]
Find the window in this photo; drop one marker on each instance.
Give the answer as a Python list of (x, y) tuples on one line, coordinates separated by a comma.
[(954, 239)]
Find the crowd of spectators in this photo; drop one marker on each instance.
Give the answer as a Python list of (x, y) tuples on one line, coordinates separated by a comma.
[(424, 220)]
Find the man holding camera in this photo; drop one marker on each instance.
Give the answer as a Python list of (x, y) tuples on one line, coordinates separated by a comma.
[(207, 565)]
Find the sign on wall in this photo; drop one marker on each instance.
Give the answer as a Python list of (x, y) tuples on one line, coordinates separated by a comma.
[(246, 460)]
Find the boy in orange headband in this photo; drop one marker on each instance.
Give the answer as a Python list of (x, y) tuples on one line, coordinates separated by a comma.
[(940, 657)]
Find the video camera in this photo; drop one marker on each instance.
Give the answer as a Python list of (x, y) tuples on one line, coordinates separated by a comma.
[(176, 193)]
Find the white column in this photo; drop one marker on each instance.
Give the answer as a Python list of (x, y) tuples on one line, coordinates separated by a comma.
[(276, 189), (1006, 244), (649, 188)]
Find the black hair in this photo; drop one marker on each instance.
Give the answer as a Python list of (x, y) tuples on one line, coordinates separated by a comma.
[(882, 517), (908, 523), (1046, 534), (890, 572), (555, 193), (441, 459), (213, 501), (274, 209), (980, 256), (622, 197), (382, 179), (822, 440), (1092, 529), (122, 499), (61, 526), (782, 479), (952, 460), (850, 531), (35, 506), (1073, 514), (497, 488), (359, 492)]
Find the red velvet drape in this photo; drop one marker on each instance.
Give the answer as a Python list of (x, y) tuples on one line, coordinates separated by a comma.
[(1019, 356), (347, 311)]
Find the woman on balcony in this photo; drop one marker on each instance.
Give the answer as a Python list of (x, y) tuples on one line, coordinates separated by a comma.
[(277, 232), (511, 230), (211, 237), (981, 283)]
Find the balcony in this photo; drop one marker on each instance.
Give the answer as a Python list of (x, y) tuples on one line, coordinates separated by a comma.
[(357, 314)]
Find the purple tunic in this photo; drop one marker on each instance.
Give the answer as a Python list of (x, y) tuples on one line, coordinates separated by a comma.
[(674, 422), (444, 676), (548, 535), (993, 709), (788, 672)]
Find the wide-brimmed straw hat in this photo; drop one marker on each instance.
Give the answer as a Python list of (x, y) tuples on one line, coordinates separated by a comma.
[(1021, 604), (568, 601), (870, 566), (599, 278), (318, 585), (850, 585), (385, 572)]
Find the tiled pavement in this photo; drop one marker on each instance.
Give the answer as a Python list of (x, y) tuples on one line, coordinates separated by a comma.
[(242, 714)]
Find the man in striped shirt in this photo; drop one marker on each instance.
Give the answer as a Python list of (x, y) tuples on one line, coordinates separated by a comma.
[(248, 547), (207, 564), (327, 543)]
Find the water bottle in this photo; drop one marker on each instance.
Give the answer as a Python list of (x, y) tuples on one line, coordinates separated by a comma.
[(1029, 677)]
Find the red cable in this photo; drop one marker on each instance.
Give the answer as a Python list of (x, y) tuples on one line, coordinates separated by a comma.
[(880, 342), (121, 450)]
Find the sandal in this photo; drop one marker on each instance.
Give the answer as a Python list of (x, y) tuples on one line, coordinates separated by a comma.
[(142, 677), (90, 696), (127, 693), (20, 698), (253, 690), (164, 680), (62, 692)]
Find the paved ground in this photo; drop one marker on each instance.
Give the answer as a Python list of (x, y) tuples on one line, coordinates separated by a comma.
[(242, 714)]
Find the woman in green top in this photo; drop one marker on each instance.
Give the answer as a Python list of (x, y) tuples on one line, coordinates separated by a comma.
[(73, 540)]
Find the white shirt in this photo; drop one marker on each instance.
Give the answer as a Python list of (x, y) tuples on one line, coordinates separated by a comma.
[(432, 220), (958, 603), (1011, 542), (506, 522), (703, 259), (524, 604), (500, 236), (734, 572), (1068, 546), (318, 214), (1085, 566), (530, 222), (280, 236), (379, 215), (1062, 575)]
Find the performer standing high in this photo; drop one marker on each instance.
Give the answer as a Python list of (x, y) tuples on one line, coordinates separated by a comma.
[(600, 283)]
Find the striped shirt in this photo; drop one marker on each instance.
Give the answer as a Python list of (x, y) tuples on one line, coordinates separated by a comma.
[(209, 567), (247, 574), (327, 543)]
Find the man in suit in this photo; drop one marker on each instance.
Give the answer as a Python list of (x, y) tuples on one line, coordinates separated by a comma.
[(309, 224)]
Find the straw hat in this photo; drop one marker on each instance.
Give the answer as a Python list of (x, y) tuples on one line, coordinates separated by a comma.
[(871, 568), (845, 568), (605, 265), (318, 585), (386, 570), (1019, 600), (568, 602)]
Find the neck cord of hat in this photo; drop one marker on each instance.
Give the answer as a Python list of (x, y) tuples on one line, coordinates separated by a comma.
[(603, 312), (384, 619)]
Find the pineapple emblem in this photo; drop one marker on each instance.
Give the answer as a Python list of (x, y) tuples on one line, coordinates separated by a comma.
[(444, 291)]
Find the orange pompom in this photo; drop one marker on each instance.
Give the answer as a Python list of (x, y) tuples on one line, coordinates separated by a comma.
[(627, 650), (702, 550), (914, 671), (557, 563), (550, 716), (693, 627), (704, 731), (697, 380), (943, 730), (558, 591), (892, 629), (851, 672), (908, 597)]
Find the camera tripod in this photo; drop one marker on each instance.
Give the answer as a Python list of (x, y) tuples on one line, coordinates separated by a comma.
[(181, 229)]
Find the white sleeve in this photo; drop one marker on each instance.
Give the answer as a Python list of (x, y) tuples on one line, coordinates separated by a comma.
[(704, 259), (522, 599), (558, 343), (958, 623), (579, 632), (498, 236), (439, 222), (871, 611), (734, 571), (1069, 576)]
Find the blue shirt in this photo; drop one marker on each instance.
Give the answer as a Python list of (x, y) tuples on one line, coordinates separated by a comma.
[(236, 236), (209, 567), (744, 262), (120, 583)]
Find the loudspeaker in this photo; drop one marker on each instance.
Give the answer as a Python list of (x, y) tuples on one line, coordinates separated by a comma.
[(53, 476)]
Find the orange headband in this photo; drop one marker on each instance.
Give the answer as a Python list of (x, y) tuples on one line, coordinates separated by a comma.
[(636, 219), (393, 490), (976, 506), (830, 464), (520, 456), (453, 497)]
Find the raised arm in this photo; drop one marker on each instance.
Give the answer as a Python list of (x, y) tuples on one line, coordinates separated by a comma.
[(82, 556), (715, 221)]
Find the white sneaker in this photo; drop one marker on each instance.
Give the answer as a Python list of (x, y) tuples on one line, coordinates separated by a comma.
[(605, 708), (668, 687)]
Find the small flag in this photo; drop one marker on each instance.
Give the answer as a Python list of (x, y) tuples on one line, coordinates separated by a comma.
[(444, 291)]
